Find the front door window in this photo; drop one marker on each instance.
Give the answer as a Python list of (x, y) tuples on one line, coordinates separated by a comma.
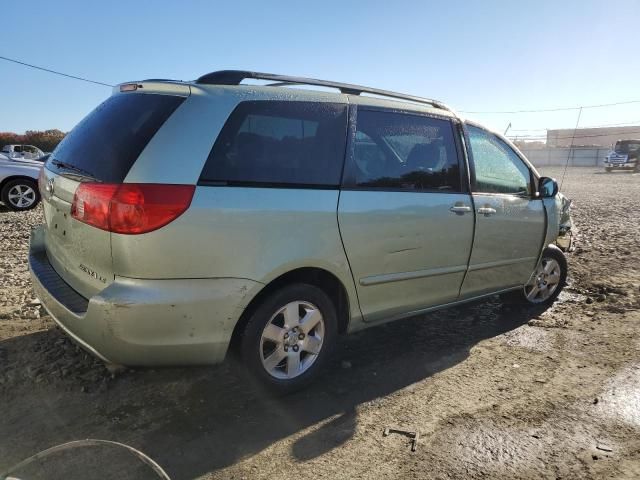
[(498, 169)]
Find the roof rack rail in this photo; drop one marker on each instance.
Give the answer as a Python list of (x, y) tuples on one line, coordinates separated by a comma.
[(235, 77)]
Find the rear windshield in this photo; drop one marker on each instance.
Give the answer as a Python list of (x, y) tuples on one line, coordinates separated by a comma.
[(106, 143), (279, 143)]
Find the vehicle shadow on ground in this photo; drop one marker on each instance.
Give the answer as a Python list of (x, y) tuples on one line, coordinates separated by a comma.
[(195, 421)]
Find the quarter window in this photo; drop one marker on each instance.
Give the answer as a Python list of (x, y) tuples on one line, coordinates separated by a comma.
[(498, 169), (286, 143), (404, 151)]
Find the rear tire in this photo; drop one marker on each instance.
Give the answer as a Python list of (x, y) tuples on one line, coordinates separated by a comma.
[(289, 337), (547, 281), (607, 169), (20, 194)]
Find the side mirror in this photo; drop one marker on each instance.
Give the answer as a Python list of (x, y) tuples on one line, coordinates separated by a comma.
[(547, 187)]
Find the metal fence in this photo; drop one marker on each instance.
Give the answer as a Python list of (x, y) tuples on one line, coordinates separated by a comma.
[(577, 156)]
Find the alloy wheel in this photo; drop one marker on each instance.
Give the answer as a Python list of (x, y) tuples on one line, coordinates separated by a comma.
[(292, 340), (22, 196), (545, 281)]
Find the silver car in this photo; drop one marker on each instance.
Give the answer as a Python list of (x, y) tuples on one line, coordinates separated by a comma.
[(187, 220), (27, 152), (19, 182)]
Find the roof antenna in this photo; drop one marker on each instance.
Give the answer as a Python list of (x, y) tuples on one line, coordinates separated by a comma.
[(507, 129), (571, 147)]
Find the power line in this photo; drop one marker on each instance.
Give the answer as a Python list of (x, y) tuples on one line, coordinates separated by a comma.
[(558, 109), (530, 129), (566, 165), (632, 123), (576, 136), (572, 136), (53, 71)]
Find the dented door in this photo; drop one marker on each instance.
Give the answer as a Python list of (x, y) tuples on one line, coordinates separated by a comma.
[(407, 251), (405, 217)]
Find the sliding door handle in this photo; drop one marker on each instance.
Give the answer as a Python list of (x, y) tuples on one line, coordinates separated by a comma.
[(486, 211), (460, 209)]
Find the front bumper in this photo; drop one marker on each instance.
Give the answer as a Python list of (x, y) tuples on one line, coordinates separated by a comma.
[(139, 322), (627, 165), (566, 242)]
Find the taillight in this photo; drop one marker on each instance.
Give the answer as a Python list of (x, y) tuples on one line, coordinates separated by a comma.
[(92, 202), (130, 208)]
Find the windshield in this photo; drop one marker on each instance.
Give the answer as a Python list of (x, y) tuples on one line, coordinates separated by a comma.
[(627, 147)]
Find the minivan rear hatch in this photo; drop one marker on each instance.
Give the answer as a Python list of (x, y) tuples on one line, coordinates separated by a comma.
[(102, 148)]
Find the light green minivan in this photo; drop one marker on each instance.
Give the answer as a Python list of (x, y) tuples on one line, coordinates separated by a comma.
[(185, 218)]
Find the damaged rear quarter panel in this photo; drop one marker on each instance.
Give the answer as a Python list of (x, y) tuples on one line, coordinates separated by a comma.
[(168, 322)]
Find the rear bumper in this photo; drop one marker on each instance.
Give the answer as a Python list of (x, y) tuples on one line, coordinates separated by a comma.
[(144, 322)]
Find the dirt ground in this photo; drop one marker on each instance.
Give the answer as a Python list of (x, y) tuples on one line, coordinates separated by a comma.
[(494, 391)]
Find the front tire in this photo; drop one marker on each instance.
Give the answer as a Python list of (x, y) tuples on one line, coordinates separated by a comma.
[(289, 337), (20, 194), (546, 282)]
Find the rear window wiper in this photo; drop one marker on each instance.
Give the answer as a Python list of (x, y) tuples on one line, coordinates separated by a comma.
[(73, 168)]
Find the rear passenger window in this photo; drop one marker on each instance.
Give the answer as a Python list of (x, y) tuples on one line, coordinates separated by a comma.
[(404, 151), (281, 143)]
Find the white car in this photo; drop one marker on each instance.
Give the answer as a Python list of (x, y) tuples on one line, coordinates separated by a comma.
[(28, 152), (19, 182)]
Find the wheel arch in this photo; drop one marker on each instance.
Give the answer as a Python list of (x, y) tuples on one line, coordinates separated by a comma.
[(319, 277), (10, 178), (558, 251)]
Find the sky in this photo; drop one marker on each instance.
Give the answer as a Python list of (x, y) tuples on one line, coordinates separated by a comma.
[(475, 56)]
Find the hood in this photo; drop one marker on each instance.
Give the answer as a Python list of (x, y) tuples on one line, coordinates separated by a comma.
[(26, 161), (10, 166)]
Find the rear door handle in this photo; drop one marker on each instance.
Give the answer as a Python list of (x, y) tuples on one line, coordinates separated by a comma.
[(486, 211), (460, 209)]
